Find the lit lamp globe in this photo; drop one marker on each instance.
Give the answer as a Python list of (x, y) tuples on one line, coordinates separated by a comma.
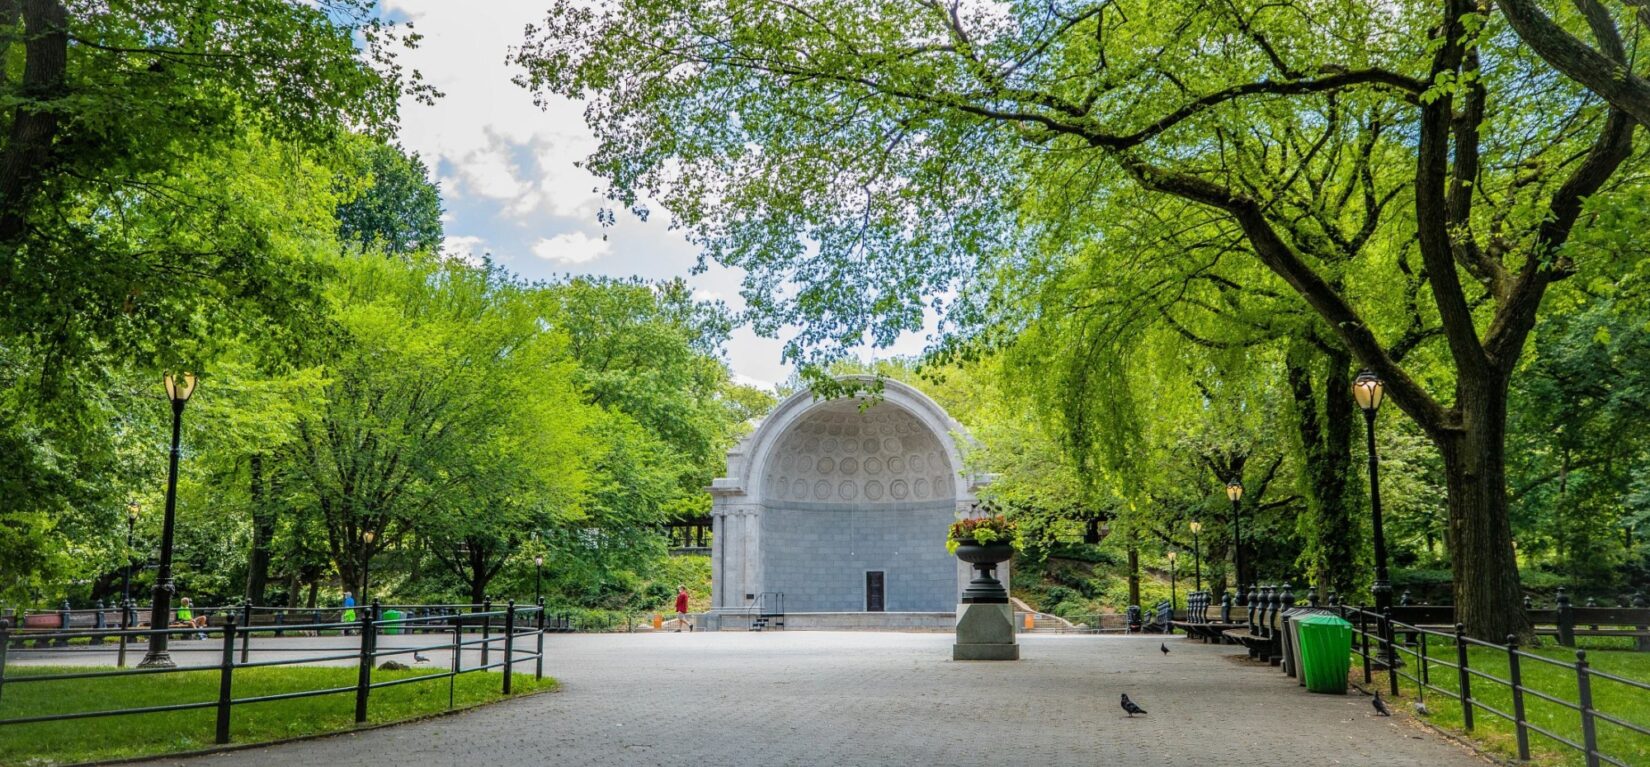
[(1368, 391), (180, 387)]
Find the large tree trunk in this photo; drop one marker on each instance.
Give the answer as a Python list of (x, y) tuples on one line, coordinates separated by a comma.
[(480, 575), (34, 122), (349, 576), (1488, 598), (1326, 441), (263, 531)]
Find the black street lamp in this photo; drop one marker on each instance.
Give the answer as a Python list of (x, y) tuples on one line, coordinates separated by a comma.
[(126, 582), (1234, 491), (1368, 391), (1174, 601), (178, 390), (126, 576), (538, 578), (1197, 562)]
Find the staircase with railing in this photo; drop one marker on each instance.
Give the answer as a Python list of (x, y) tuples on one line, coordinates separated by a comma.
[(766, 611)]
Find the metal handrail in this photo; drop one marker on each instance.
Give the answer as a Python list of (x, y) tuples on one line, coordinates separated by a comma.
[(514, 629), (1383, 631)]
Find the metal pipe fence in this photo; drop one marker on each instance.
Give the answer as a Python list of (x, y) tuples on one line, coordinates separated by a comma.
[(521, 639), (1417, 662)]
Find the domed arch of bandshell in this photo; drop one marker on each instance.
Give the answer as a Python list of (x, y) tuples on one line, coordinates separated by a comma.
[(823, 489)]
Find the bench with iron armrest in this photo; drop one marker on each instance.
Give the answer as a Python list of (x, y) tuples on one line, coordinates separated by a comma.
[(28, 626), (1263, 636), (1162, 621), (1201, 624), (1566, 622), (1159, 620), (1563, 622)]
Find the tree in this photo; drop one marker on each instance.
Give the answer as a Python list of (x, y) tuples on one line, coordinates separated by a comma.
[(448, 410), (653, 352), (892, 143), (397, 210), (158, 193)]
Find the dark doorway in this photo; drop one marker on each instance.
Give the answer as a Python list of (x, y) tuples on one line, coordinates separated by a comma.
[(873, 591)]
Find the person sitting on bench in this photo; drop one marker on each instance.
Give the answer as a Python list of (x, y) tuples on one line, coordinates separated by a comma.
[(188, 619)]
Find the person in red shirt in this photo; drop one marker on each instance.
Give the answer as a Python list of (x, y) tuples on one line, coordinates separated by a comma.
[(681, 609)]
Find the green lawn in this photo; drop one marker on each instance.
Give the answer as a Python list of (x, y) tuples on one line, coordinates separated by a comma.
[(149, 734), (1497, 735)]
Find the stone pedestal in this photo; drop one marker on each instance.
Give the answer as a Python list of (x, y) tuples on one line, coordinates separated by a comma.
[(985, 632)]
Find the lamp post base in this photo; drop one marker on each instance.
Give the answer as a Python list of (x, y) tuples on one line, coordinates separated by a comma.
[(161, 659)]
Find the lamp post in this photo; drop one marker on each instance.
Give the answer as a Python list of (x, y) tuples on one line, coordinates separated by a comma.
[(178, 389), (1174, 601), (1368, 391), (1234, 492), (126, 577), (538, 577), (126, 584), (1197, 562), (366, 564)]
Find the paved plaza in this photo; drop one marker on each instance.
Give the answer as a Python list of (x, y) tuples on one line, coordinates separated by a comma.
[(841, 698)]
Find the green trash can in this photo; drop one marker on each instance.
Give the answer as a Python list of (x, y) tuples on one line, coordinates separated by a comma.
[(392, 615), (1326, 652)]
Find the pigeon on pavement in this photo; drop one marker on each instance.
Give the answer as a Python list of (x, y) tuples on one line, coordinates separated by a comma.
[(1380, 705), (1128, 705), (420, 659), (1164, 647)]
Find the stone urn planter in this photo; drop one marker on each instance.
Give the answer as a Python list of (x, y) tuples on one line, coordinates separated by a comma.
[(985, 619), (985, 588)]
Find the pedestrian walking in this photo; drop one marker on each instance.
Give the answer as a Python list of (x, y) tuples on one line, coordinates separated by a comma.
[(348, 615), (681, 609)]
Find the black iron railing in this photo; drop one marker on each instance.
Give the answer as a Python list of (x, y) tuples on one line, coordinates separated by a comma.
[(458, 629), (1420, 652)]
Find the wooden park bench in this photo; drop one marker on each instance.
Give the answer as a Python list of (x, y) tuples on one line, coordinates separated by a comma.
[(1200, 624), (34, 627), (1263, 634), (1566, 622), (1159, 621)]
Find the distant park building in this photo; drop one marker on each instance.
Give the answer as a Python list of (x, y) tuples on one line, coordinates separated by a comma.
[(844, 509)]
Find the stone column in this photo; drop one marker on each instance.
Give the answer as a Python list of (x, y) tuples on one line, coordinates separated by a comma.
[(752, 516), (718, 557)]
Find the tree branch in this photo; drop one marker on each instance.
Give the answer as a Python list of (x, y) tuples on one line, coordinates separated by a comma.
[(1329, 304), (1612, 80)]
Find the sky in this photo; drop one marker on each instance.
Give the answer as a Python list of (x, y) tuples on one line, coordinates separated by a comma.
[(509, 181)]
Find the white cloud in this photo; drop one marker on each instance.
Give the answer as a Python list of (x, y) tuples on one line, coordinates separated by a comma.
[(745, 380), (467, 248), (509, 175), (485, 134), (489, 172), (571, 248)]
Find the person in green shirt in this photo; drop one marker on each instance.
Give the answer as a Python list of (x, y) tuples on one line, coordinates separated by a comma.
[(186, 617), (348, 615)]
